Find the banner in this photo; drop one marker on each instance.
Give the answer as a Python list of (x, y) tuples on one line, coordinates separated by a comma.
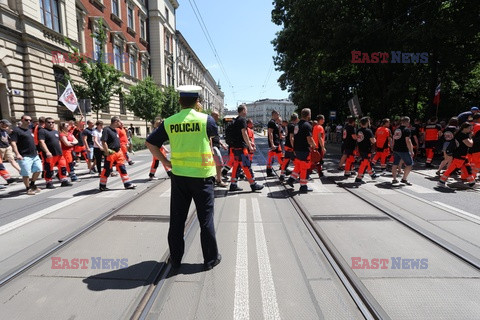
[(68, 98), (354, 106)]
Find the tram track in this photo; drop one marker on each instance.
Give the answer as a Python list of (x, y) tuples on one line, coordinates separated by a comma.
[(365, 301), (73, 236)]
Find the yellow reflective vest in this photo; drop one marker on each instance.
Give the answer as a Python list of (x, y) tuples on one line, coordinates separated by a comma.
[(190, 153)]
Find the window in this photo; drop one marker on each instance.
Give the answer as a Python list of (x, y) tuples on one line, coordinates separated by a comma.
[(166, 15), (169, 77), (115, 8), (60, 81), (118, 52), (144, 70), (142, 29), (130, 18), (123, 108), (98, 50), (167, 42), (133, 65), (49, 14)]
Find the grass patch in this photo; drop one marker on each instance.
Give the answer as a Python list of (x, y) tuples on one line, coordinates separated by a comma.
[(138, 143)]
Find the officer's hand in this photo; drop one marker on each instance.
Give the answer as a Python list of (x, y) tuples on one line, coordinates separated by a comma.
[(250, 148), (48, 154)]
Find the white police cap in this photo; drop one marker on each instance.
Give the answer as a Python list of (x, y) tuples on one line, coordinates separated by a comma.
[(189, 91)]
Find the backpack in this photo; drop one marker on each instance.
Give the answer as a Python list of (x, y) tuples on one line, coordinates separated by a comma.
[(229, 132), (452, 146)]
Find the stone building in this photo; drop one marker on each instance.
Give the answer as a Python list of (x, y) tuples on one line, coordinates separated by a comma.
[(33, 59), (190, 70), (142, 41), (260, 111)]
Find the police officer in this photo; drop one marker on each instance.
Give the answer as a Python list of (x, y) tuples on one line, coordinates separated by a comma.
[(193, 172)]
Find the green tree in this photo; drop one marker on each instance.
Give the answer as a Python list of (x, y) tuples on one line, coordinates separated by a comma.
[(102, 79), (171, 105), (145, 100), (314, 54)]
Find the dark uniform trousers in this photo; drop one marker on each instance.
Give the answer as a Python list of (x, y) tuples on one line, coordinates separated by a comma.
[(183, 190)]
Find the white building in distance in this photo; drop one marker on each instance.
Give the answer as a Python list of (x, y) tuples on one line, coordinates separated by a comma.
[(260, 111)]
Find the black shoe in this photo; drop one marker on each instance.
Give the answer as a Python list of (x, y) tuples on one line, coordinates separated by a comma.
[(358, 180), (405, 182), (130, 186), (211, 264), (290, 181), (270, 173), (49, 185), (256, 187), (103, 188), (320, 174), (131, 162), (11, 180), (374, 176), (281, 178), (74, 177), (234, 187), (395, 182), (347, 175), (66, 183), (288, 172), (224, 172), (305, 189)]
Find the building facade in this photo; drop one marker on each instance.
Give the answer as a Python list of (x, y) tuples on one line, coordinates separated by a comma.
[(141, 41), (190, 70), (34, 63), (162, 25), (260, 111)]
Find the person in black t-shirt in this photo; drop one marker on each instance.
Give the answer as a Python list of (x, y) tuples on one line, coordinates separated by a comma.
[(87, 137), (274, 147), (113, 155), (349, 144), (402, 150), (475, 149), (240, 148), (365, 141), (289, 137), (463, 142), (49, 142), (23, 146), (302, 144)]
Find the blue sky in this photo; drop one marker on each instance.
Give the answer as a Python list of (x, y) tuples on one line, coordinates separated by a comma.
[(241, 32)]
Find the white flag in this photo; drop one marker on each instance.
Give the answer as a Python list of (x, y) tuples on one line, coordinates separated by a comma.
[(69, 98)]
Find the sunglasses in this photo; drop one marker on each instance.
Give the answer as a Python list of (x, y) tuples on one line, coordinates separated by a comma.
[(27, 120), (50, 122)]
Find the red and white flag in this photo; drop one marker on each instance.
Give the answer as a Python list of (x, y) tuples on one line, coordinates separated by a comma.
[(436, 99), (69, 98)]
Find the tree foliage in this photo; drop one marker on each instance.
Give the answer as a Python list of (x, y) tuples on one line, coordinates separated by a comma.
[(102, 79), (145, 100), (314, 54), (171, 105)]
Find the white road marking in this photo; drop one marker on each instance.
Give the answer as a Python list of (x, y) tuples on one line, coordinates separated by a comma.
[(241, 302), (460, 212), (20, 222), (269, 296), (419, 189)]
